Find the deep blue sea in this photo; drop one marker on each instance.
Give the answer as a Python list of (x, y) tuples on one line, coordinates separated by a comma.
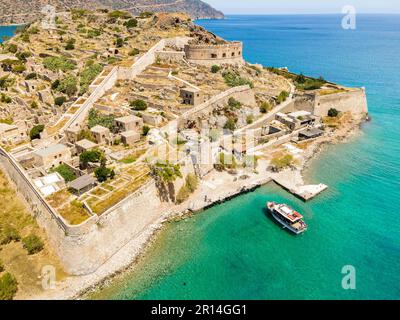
[(233, 251)]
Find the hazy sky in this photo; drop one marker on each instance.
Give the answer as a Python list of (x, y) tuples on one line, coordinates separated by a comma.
[(304, 6)]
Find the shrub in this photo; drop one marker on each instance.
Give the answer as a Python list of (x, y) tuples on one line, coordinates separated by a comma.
[(138, 105), (333, 113), (30, 76), (68, 85), (9, 234), (233, 79), (4, 98), (250, 119), (88, 75), (35, 131), (59, 101), (8, 286), (145, 130), (95, 118), (146, 14), (134, 52), (233, 103), (18, 68), (22, 56), (230, 124), (1, 266), (70, 46), (58, 63), (12, 48), (265, 107), (86, 134), (34, 105), (32, 244), (66, 172), (116, 14), (131, 23), (215, 68), (283, 96), (119, 42), (301, 78), (55, 84)]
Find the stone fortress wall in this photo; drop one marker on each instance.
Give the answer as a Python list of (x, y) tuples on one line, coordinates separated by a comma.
[(354, 101), (83, 248), (228, 53)]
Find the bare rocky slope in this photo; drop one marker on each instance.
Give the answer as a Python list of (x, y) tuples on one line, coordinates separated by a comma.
[(22, 11)]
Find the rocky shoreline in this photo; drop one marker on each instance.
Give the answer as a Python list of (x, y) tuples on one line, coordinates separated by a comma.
[(127, 258)]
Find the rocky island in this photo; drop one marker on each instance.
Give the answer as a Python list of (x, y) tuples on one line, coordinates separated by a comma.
[(111, 124)]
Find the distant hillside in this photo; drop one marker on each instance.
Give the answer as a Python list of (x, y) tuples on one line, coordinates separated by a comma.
[(22, 11)]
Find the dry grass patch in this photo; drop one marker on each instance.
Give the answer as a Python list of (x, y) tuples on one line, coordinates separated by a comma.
[(74, 212), (100, 206), (26, 268), (58, 127)]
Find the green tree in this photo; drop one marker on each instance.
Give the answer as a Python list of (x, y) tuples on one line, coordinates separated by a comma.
[(90, 156), (35, 131), (8, 286), (215, 68), (59, 101), (333, 113), (103, 173)]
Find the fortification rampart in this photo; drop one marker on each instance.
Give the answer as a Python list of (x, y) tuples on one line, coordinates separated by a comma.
[(82, 249), (354, 100), (229, 53)]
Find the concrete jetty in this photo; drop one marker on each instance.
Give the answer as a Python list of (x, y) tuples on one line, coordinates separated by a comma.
[(294, 184)]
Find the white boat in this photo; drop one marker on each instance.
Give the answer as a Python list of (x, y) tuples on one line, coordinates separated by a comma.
[(287, 217)]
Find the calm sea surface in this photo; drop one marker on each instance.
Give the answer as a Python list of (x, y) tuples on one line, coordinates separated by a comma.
[(233, 251)]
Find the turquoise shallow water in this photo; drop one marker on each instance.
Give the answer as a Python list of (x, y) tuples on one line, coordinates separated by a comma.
[(233, 251), (7, 31)]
